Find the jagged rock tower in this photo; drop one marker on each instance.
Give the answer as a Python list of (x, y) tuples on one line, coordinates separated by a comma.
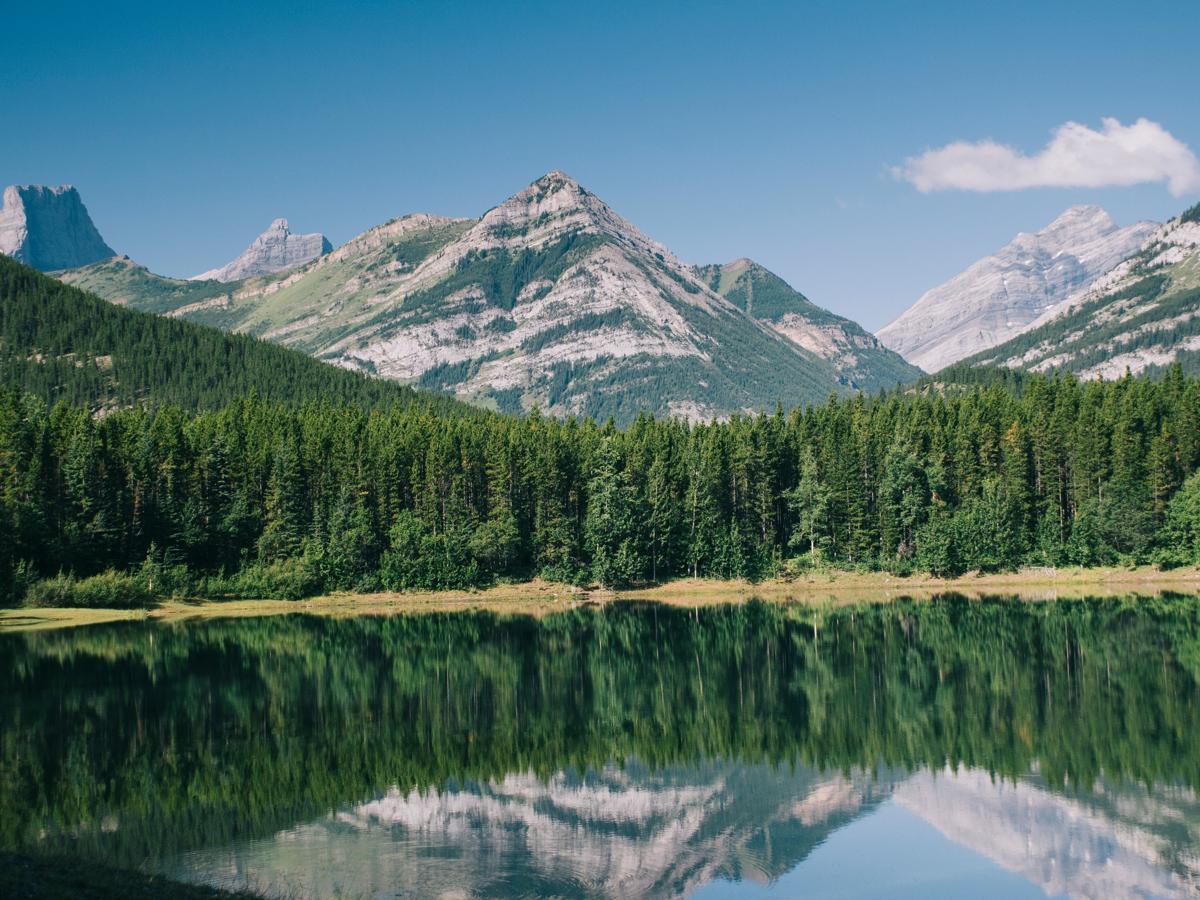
[(49, 228), (274, 250)]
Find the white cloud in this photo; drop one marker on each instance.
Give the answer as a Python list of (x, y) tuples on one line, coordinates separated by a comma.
[(1077, 156)]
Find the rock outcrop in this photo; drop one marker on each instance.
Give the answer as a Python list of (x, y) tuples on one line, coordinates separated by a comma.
[(1002, 295), (49, 228), (275, 250)]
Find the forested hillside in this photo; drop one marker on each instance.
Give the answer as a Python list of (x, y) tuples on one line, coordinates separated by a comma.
[(60, 343), (861, 360), (257, 498)]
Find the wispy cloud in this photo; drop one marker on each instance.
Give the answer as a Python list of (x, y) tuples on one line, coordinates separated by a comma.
[(1077, 156)]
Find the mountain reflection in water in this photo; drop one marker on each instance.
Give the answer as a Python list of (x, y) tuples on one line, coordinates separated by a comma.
[(627, 751)]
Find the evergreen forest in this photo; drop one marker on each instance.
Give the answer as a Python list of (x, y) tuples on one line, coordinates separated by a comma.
[(221, 466)]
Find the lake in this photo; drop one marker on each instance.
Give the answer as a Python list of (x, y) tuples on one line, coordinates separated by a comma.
[(991, 748)]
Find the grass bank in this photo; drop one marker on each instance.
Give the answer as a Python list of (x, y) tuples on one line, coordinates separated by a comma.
[(541, 597)]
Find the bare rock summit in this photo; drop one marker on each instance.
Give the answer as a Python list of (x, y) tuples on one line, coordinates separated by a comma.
[(275, 250), (49, 228)]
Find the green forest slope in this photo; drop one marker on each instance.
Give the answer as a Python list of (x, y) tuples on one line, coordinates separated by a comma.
[(60, 343)]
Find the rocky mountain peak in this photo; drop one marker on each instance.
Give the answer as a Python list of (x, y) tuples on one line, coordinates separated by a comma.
[(274, 250), (1002, 295), (1083, 213), (49, 228), (1140, 314), (553, 207), (554, 195), (556, 180), (1075, 226)]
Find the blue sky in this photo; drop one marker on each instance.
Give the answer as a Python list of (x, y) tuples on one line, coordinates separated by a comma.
[(766, 130)]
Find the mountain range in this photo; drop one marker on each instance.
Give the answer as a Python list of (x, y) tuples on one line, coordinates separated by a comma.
[(1141, 315), (552, 300)]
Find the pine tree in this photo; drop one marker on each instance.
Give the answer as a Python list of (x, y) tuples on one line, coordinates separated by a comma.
[(809, 503), (286, 511), (611, 532)]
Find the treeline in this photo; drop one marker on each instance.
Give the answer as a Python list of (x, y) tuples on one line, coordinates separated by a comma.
[(261, 499), (61, 343)]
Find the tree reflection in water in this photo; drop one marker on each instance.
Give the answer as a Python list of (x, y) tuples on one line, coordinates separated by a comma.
[(633, 749)]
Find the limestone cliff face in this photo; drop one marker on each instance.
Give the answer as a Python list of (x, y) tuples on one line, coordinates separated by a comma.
[(49, 228), (1002, 295), (272, 251)]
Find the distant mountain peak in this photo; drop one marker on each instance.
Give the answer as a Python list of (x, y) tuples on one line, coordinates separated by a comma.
[(555, 193), (275, 250), (557, 179), (553, 207), (49, 228), (1141, 314), (1004, 294), (1084, 211), (739, 265)]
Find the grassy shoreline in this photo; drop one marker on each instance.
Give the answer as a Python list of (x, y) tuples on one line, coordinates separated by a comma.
[(540, 597)]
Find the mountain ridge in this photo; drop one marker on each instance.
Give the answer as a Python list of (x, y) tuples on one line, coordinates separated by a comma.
[(550, 299), (1001, 295), (859, 356), (1143, 314)]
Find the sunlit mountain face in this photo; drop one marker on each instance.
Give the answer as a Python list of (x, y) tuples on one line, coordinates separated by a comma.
[(1017, 749)]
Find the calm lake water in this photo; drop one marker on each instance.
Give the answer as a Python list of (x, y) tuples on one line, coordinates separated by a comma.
[(946, 749)]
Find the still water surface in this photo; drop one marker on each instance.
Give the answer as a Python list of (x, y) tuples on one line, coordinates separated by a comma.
[(946, 749)]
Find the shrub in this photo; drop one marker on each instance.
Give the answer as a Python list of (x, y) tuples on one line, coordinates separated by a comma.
[(108, 590), (285, 579), (418, 559)]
